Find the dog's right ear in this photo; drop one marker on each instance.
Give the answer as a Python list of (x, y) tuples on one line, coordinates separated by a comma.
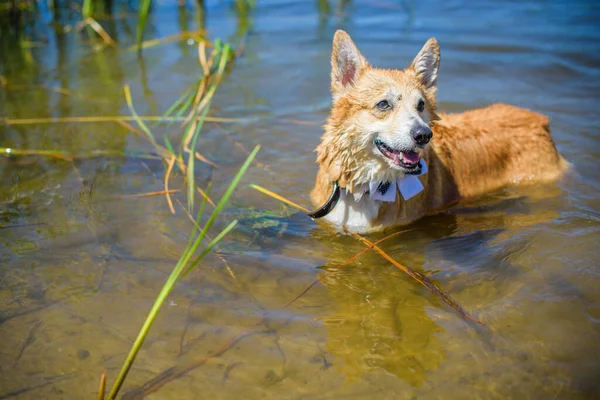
[(346, 64)]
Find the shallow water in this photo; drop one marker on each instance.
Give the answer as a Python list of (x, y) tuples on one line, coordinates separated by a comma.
[(81, 263)]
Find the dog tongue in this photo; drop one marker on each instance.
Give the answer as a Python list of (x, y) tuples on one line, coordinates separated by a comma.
[(411, 157)]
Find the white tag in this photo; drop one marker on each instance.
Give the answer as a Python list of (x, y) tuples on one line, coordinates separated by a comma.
[(424, 168), (389, 195), (410, 185)]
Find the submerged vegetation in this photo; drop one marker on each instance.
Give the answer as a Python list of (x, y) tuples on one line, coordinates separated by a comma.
[(191, 110)]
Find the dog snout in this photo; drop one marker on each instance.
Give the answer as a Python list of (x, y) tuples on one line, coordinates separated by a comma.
[(421, 135)]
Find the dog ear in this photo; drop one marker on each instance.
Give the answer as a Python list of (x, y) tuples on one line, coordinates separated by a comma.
[(427, 63), (346, 63)]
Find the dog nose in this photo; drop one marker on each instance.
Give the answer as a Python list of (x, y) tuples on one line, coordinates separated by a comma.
[(422, 135)]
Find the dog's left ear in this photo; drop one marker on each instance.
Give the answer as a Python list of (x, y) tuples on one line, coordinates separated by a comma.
[(427, 63)]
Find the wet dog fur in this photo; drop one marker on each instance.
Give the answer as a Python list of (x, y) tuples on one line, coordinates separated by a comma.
[(383, 121)]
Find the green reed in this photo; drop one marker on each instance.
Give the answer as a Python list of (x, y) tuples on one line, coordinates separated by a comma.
[(242, 7), (184, 266), (196, 103), (87, 8), (142, 19), (103, 8)]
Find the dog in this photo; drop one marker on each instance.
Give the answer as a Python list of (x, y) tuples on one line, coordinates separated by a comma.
[(387, 158)]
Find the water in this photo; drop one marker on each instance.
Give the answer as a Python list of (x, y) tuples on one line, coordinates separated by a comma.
[(81, 263)]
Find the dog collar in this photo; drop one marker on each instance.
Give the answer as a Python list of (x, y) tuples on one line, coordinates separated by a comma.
[(329, 204), (408, 185)]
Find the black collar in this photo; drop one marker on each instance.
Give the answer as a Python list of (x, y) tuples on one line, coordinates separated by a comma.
[(329, 204)]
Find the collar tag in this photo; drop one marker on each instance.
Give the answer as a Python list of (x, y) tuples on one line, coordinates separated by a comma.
[(408, 185), (383, 191)]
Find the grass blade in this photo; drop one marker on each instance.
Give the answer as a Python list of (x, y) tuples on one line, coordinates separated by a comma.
[(168, 145), (230, 189), (167, 176), (181, 103), (205, 196), (65, 155), (204, 200), (224, 199), (143, 18), (102, 390), (87, 8), (96, 27), (196, 126), (278, 197), (209, 247), (115, 118), (135, 115)]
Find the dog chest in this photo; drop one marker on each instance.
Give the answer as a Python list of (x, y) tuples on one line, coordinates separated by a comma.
[(356, 216)]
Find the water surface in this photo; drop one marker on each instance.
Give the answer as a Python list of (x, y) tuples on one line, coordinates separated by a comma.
[(81, 263)]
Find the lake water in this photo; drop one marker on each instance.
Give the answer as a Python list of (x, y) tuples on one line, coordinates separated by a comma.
[(81, 260)]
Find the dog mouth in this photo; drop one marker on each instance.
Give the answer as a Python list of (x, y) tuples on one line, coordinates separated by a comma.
[(407, 159)]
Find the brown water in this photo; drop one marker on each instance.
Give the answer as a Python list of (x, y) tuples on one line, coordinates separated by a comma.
[(81, 264)]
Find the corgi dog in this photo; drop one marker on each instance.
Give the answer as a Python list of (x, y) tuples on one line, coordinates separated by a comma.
[(387, 158)]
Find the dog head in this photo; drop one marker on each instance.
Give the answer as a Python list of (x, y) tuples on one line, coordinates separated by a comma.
[(380, 120)]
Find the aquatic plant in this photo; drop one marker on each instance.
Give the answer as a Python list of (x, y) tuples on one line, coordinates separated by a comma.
[(12, 12), (196, 103), (184, 266), (191, 110)]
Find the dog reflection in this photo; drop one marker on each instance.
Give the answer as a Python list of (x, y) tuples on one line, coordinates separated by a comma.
[(381, 324)]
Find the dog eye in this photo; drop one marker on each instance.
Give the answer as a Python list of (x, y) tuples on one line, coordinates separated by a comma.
[(421, 106), (383, 105)]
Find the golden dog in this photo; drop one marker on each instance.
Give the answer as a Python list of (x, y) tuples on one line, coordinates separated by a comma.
[(392, 159)]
